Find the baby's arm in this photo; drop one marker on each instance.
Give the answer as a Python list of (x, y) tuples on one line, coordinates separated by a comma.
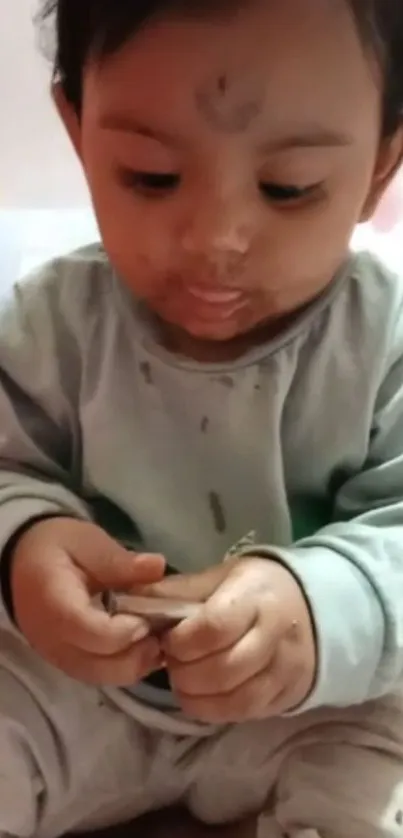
[(39, 373), (352, 570), (51, 569)]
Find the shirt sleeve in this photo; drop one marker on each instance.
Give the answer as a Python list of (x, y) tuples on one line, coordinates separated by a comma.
[(39, 433), (352, 570)]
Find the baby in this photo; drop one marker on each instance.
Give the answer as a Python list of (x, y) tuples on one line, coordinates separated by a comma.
[(221, 364)]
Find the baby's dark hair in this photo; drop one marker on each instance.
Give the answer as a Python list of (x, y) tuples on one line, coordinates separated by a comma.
[(98, 28)]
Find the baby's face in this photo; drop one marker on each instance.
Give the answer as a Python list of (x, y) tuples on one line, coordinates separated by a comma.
[(229, 160)]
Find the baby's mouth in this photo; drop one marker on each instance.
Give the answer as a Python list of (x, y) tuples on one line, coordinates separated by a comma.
[(213, 295)]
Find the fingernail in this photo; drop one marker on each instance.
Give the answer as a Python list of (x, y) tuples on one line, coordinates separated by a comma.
[(140, 633)]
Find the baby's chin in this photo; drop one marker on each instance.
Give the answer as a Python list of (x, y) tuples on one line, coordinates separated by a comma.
[(212, 345), (221, 332)]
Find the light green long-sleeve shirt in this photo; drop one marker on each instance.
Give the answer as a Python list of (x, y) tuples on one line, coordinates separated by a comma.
[(300, 440)]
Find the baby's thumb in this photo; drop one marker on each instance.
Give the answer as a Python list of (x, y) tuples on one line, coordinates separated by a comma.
[(108, 565)]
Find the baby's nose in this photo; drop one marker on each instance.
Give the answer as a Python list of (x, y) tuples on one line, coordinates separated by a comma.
[(221, 236)]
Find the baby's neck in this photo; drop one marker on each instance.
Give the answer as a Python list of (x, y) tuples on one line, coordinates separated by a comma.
[(178, 342)]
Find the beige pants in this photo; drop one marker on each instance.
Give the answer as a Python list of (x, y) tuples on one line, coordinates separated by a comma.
[(71, 758)]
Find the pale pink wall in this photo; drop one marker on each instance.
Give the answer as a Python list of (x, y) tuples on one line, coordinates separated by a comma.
[(37, 167)]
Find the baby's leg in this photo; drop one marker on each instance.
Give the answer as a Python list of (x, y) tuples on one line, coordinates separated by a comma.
[(345, 781), (21, 784), (320, 775), (341, 791), (343, 778), (69, 759)]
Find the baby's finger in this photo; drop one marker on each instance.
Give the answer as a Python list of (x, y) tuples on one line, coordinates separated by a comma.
[(96, 632), (272, 692), (122, 670), (118, 568), (224, 671), (80, 623), (222, 622)]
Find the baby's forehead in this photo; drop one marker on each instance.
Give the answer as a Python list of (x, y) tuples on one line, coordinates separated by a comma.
[(300, 67)]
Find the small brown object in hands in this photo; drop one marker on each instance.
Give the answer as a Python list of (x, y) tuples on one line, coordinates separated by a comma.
[(161, 614)]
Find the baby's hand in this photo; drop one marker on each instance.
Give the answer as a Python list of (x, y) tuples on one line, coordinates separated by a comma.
[(251, 653), (58, 567)]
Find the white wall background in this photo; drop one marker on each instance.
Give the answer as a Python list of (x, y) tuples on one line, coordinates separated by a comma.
[(37, 166), (44, 204)]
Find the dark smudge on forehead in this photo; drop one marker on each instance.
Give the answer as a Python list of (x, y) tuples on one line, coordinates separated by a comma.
[(230, 104)]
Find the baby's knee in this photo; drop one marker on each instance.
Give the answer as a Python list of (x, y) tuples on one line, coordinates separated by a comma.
[(339, 790), (28, 751), (21, 785)]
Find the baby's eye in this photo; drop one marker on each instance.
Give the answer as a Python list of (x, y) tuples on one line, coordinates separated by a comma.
[(288, 194), (150, 184)]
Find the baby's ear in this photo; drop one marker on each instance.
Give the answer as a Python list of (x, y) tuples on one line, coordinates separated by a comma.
[(68, 115), (388, 162)]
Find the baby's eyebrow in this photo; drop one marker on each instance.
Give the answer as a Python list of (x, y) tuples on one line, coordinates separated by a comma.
[(309, 137), (125, 123)]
